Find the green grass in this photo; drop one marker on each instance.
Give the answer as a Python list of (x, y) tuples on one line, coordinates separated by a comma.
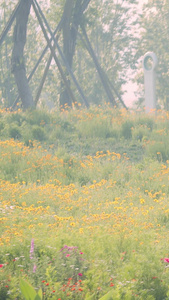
[(90, 188)]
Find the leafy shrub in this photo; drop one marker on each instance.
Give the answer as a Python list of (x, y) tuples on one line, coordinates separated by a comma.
[(14, 131), (38, 133), (3, 293), (83, 179), (38, 117), (140, 132), (67, 126), (158, 150), (16, 117), (99, 128), (1, 125), (147, 122), (126, 130)]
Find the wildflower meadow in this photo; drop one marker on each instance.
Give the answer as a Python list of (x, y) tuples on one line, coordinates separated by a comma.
[(84, 205)]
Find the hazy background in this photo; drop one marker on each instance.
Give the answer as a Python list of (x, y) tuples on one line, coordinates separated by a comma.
[(131, 88)]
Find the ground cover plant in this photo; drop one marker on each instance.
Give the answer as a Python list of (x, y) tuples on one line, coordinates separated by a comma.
[(84, 204)]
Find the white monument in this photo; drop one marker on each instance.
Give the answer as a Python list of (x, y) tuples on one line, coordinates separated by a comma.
[(150, 62)]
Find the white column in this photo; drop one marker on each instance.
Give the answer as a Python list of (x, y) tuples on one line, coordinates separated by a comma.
[(150, 62)]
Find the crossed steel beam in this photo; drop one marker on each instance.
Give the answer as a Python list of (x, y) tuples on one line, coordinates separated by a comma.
[(42, 20)]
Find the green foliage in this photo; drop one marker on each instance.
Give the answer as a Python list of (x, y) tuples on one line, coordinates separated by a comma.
[(16, 118), (97, 207), (126, 130), (146, 122), (28, 291), (14, 131), (98, 128), (38, 133), (3, 293), (159, 150), (38, 117), (140, 133), (1, 125), (92, 297), (108, 296)]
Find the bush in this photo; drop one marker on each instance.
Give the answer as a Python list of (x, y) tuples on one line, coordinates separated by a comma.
[(38, 133), (14, 131), (1, 125), (99, 128), (39, 117), (147, 122), (140, 132), (17, 118), (159, 151), (126, 130)]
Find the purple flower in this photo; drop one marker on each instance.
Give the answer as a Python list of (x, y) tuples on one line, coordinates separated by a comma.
[(80, 274), (32, 249)]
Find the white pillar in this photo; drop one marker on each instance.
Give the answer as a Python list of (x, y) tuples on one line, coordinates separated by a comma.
[(150, 62)]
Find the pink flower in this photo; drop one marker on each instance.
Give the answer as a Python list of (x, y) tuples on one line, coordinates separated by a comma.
[(32, 249), (67, 255), (34, 268), (166, 260), (1, 266), (80, 274)]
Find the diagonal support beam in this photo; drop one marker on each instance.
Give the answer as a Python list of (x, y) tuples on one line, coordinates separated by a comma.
[(44, 77), (58, 28), (103, 76), (98, 67), (63, 57), (43, 80), (54, 54), (9, 23)]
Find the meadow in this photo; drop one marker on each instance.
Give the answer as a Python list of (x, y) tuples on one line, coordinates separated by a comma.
[(84, 204)]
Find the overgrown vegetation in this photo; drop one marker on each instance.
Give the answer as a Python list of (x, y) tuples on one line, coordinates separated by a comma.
[(84, 204)]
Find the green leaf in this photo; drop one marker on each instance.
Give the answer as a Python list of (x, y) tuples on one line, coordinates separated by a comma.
[(27, 290), (108, 296), (38, 297), (40, 293), (92, 297)]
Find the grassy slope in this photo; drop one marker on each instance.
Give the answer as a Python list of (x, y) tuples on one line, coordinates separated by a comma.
[(96, 180)]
